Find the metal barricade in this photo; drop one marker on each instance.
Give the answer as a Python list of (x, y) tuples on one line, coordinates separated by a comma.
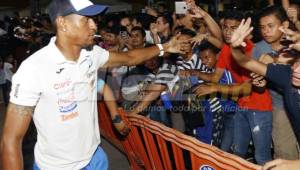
[(153, 146)]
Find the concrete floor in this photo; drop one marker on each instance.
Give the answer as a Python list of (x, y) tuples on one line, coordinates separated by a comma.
[(117, 160)]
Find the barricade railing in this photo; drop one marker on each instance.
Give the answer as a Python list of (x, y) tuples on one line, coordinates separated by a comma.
[(151, 146)]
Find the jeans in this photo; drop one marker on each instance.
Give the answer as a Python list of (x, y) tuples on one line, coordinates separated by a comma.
[(228, 131), (99, 161), (258, 126), (159, 114)]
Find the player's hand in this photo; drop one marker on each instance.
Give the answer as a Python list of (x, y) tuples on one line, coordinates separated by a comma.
[(122, 127)]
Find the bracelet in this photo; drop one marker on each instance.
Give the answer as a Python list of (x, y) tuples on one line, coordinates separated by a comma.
[(117, 119), (161, 50)]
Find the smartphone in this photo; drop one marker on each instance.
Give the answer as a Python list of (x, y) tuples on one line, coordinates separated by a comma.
[(123, 34), (181, 7)]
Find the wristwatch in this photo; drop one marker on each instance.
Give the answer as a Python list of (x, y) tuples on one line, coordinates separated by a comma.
[(117, 119), (161, 50)]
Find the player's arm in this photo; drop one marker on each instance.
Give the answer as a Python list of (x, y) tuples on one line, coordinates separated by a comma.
[(137, 56), (16, 124), (111, 105)]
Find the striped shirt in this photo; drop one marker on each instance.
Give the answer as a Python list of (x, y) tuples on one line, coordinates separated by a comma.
[(194, 63), (138, 79)]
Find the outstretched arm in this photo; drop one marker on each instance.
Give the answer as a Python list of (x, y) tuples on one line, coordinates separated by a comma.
[(249, 63), (237, 41), (285, 4), (212, 25), (234, 90), (16, 124), (137, 56), (208, 77), (111, 104), (151, 94), (213, 40)]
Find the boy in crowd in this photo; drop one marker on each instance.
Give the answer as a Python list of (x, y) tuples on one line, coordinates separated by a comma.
[(270, 20), (219, 118), (254, 117), (285, 77)]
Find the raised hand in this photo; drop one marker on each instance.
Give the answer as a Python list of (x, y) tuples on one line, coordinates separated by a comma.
[(292, 14), (194, 10), (151, 11), (258, 80), (241, 33), (153, 28), (198, 39), (292, 36), (177, 46), (190, 2)]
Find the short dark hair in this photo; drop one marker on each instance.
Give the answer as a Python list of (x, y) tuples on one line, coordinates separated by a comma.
[(188, 32), (139, 29), (234, 15), (167, 19), (277, 11), (205, 45), (126, 16), (113, 30)]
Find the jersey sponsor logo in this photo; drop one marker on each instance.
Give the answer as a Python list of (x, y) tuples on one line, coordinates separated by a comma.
[(69, 108), (206, 167), (59, 70), (17, 89), (61, 85), (90, 62), (90, 74), (69, 116)]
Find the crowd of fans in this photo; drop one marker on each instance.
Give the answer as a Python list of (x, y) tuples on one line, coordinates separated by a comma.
[(213, 92)]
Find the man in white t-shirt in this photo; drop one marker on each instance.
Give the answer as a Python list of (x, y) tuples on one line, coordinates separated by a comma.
[(57, 87)]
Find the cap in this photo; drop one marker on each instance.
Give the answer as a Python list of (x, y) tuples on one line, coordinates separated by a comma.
[(80, 7)]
